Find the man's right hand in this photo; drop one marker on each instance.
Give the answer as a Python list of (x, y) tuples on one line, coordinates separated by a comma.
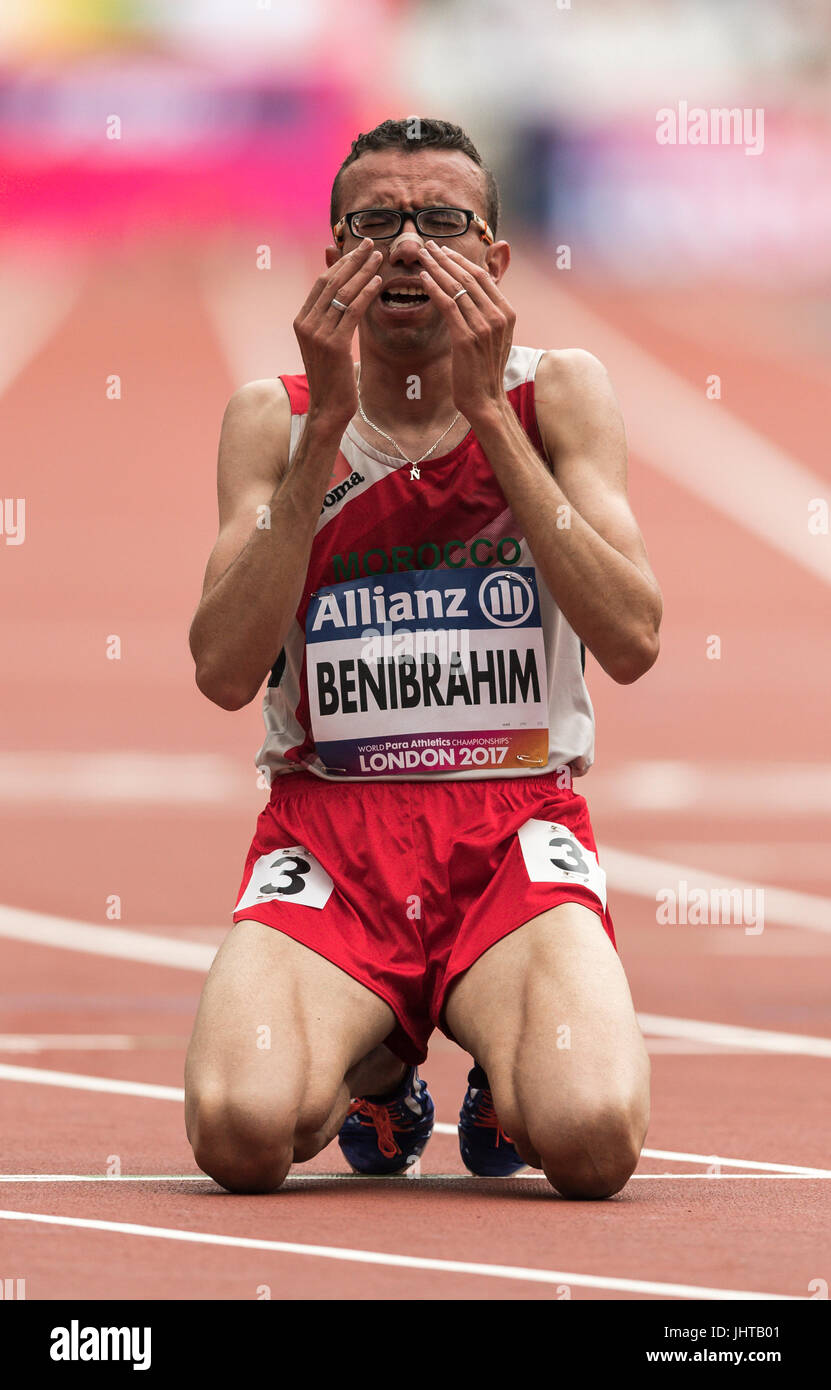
[(325, 333)]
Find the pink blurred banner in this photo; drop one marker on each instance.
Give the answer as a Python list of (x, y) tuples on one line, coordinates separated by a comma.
[(123, 147), (758, 206)]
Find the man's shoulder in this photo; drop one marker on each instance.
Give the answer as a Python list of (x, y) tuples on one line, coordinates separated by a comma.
[(257, 423), (576, 407), (562, 370), (268, 397), (573, 392)]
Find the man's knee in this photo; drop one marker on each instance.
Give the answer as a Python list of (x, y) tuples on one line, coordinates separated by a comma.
[(239, 1141), (247, 1134), (593, 1150)]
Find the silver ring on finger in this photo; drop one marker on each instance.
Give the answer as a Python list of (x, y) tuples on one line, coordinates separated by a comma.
[(459, 294), (336, 304)]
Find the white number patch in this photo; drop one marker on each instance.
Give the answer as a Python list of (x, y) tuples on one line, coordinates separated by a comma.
[(290, 875), (553, 854)]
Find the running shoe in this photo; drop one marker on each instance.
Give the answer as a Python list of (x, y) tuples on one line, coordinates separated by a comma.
[(487, 1151), (384, 1137)]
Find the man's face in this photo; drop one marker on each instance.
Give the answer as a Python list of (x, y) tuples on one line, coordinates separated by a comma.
[(422, 179)]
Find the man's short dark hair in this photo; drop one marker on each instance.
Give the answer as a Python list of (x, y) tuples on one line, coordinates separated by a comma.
[(419, 133)]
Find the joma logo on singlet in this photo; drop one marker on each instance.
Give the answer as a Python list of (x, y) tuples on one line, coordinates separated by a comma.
[(456, 554), (336, 493)]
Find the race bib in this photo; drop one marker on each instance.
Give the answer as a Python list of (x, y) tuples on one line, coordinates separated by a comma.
[(290, 875), (428, 671), (553, 854)]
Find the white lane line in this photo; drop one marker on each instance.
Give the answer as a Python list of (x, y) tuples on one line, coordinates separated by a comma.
[(377, 1257), (696, 442), (420, 1177), (127, 777), (761, 1039), (35, 299), (105, 1177), (85, 1042), (787, 1169), (733, 788), (645, 877), (43, 929), (40, 1076), (795, 862), (43, 1076)]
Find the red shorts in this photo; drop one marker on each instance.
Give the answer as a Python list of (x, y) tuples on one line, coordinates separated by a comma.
[(404, 885)]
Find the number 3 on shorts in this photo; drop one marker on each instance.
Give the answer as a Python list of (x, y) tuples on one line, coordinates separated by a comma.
[(553, 854), (290, 875)]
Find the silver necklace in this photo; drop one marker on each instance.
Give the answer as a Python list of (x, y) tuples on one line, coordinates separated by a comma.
[(415, 471)]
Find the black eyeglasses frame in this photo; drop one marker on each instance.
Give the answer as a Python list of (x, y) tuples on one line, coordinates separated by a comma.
[(404, 214)]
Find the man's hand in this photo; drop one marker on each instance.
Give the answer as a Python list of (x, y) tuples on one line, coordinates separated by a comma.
[(481, 325), (325, 333)]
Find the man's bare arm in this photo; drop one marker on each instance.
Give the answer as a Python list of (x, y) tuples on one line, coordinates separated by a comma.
[(255, 573), (575, 513), (595, 565), (582, 429)]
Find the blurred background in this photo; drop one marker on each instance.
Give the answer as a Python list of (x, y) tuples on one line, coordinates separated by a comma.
[(235, 113)]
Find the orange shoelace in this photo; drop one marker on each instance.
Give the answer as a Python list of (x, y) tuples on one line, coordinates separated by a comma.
[(379, 1117), (487, 1118)]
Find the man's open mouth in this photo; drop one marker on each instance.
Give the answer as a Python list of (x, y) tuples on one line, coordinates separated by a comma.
[(404, 298)]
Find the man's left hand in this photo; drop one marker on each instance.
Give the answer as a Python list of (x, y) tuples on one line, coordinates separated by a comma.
[(481, 324)]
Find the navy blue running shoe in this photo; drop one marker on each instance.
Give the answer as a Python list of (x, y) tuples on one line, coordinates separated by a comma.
[(486, 1149), (383, 1137)]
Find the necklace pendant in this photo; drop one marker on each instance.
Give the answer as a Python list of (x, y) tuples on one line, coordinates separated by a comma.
[(415, 471)]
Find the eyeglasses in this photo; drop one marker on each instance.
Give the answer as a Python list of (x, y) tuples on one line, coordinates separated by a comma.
[(383, 223)]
